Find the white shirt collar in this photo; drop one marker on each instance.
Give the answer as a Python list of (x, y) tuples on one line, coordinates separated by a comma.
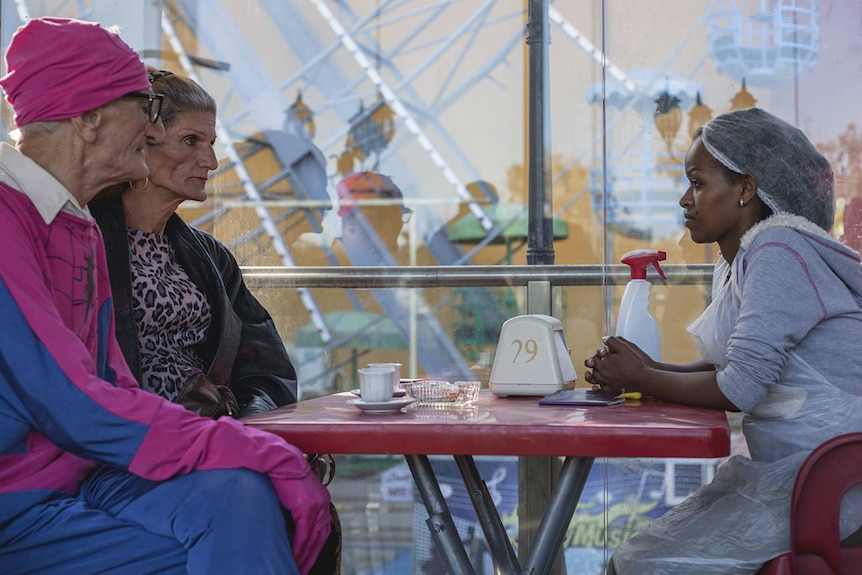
[(48, 195)]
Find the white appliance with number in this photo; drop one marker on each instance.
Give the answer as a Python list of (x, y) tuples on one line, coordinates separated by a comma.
[(532, 357)]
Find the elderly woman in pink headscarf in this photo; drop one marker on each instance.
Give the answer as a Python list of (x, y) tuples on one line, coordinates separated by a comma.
[(97, 475)]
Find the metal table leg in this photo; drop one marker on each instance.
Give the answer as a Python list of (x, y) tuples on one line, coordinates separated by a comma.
[(502, 554), (440, 523), (552, 530), (549, 536)]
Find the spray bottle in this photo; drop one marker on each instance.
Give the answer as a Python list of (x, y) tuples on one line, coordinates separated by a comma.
[(634, 322)]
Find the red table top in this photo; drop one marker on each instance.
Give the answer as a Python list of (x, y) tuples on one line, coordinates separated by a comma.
[(503, 426)]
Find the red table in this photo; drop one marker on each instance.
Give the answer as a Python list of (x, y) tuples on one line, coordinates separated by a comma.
[(502, 426)]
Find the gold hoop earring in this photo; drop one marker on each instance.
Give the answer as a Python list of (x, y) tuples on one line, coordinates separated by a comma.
[(741, 201), (147, 183)]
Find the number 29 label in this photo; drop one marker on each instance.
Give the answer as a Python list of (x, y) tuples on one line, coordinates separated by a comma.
[(526, 350)]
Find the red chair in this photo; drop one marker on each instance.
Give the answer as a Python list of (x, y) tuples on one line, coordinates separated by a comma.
[(823, 479)]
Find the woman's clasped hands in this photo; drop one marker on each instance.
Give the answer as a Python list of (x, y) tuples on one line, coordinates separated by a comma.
[(617, 364)]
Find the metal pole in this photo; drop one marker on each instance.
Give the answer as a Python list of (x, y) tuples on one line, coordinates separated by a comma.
[(381, 277), (540, 235), (536, 474)]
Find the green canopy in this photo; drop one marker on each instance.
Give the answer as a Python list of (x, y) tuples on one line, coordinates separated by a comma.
[(467, 229), (353, 329)]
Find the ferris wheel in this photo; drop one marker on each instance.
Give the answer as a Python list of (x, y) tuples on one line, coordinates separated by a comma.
[(760, 43), (768, 42)]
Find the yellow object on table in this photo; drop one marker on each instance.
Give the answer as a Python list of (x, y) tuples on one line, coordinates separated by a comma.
[(631, 395)]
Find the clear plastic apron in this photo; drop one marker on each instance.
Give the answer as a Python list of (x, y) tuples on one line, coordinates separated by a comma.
[(801, 411), (741, 519)]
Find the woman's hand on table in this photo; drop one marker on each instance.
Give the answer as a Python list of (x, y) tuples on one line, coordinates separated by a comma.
[(620, 364), (616, 365)]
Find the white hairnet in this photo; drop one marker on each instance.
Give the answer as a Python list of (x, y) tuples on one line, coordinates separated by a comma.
[(792, 176)]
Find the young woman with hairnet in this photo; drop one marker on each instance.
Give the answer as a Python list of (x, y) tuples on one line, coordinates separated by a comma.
[(779, 342)]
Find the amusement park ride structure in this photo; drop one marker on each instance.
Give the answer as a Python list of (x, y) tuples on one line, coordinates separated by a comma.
[(349, 97)]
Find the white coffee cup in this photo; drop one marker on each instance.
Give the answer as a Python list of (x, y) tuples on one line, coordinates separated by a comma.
[(396, 377), (375, 383)]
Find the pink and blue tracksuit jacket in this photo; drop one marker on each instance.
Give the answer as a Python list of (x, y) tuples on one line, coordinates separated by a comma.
[(67, 399)]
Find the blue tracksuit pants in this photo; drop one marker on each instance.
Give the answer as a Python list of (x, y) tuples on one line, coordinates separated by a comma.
[(203, 523)]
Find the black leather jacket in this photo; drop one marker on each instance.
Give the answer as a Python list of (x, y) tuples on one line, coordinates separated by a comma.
[(242, 348)]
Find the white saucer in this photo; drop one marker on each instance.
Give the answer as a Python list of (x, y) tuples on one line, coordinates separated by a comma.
[(381, 407), (397, 393)]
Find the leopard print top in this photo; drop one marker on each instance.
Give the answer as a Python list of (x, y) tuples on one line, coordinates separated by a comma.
[(172, 315)]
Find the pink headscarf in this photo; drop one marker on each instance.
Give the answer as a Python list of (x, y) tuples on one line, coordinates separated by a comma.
[(59, 68)]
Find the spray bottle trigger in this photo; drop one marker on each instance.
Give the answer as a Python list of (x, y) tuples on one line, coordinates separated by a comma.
[(658, 268)]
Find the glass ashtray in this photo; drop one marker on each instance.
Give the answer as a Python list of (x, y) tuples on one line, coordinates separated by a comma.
[(443, 393), (444, 412)]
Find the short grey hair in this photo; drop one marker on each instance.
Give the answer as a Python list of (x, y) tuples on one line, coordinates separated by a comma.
[(38, 128)]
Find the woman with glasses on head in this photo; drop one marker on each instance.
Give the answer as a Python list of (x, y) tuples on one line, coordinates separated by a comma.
[(182, 309)]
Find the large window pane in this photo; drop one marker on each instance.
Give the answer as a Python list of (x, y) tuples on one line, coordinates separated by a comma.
[(432, 94)]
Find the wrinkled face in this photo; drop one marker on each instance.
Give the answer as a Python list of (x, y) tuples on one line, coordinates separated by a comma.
[(180, 162), (123, 136), (711, 204)]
